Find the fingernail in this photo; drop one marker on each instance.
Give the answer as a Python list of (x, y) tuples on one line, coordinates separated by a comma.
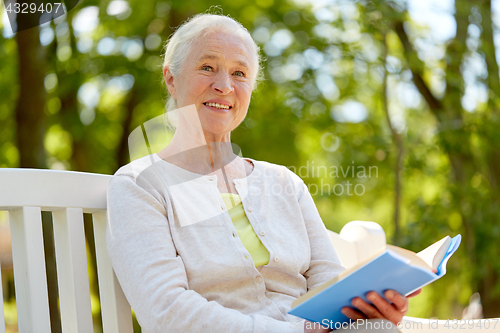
[(344, 311), (390, 294), (371, 296)]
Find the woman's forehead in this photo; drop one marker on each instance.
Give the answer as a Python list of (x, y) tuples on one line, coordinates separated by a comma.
[(222, 47)]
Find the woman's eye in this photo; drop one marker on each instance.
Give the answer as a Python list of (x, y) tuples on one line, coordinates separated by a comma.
[(205, 68), (239, 73)]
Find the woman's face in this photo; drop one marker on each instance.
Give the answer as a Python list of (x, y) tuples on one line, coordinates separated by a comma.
[(216, 77)]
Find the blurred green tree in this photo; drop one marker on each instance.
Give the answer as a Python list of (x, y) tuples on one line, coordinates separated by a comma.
[(358, 98)]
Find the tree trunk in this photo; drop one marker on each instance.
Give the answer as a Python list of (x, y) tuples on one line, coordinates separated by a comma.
[(30, 115), (487, 286), (123, 148), (492, 121), (398, 142)]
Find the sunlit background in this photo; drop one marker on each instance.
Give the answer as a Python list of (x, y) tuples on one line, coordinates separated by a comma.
[(388, 110)]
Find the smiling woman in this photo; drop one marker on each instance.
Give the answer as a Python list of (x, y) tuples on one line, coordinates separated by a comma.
[(217, 48), (216, 77), (199, 236)]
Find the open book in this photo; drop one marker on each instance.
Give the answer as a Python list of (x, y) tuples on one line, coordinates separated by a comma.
[(391, 268)]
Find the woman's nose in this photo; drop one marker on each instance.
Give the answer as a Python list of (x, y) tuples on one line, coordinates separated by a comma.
[(223, 83)]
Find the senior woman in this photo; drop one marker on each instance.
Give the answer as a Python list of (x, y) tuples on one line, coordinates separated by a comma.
[(203, 239)]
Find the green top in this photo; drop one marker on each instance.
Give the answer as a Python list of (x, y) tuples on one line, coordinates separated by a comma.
[(259, 253)]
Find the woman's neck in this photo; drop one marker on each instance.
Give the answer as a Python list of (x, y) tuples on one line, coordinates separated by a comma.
[(198, 152)]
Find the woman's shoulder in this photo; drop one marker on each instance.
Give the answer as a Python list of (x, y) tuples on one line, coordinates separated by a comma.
[(137, 167), (145, 172), (137, 178)]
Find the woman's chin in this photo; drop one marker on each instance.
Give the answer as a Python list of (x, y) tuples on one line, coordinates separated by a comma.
[(216, 129), (217, 125)]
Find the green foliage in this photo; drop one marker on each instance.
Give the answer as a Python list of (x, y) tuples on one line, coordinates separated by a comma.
[(320, 107)]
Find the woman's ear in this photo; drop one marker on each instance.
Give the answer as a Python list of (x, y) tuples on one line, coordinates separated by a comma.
[(169, 81)]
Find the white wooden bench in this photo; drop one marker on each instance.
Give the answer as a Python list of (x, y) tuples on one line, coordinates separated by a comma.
[(24, 193), (27, 192)]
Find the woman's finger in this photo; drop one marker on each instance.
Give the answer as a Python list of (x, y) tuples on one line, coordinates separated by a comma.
[(388, 311), (398, 300), (352, 314), (367, 309)]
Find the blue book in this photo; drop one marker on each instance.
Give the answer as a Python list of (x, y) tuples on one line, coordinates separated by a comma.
[(392, 268)]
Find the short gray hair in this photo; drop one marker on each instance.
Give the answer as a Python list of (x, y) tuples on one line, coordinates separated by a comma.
[(179, 43)]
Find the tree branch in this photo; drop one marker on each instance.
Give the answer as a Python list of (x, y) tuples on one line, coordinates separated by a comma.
[(417, 67), (488, 47)]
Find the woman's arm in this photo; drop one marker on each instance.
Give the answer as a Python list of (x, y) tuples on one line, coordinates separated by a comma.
[(153, 276), (325, 263)]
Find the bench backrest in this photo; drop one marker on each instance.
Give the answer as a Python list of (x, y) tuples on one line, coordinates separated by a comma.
[(25, 193), (357, 241)]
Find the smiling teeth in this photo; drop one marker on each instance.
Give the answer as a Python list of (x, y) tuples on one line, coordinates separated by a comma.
[(217, 105)]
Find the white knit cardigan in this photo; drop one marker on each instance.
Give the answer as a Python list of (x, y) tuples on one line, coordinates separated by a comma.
[(181, 264)]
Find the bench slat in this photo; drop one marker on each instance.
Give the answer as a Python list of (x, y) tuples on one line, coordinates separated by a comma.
[(116, 313), (52, 189), (72, 271), (29, 270)]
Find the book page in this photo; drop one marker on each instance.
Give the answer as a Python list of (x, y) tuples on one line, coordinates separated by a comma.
[(414, 259), (434, 254)]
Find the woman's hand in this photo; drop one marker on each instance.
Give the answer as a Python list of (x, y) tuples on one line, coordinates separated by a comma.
[(380, 308)]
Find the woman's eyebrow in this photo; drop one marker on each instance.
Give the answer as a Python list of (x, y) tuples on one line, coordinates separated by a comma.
[(242, 63), (214, 57), (208, 56)]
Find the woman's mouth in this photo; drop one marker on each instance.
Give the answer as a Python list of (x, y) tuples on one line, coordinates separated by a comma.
[(218, 107)]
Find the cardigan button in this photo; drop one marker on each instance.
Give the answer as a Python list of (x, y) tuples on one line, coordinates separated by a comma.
[(262, 233), (276, 259), (258, 279), (249, 209)]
